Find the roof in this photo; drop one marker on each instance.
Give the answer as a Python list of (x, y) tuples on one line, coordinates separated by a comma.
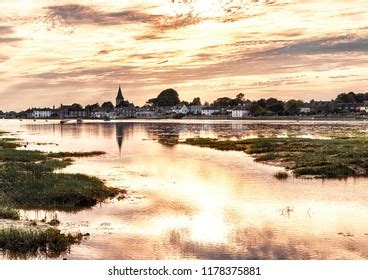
[(120, 94)]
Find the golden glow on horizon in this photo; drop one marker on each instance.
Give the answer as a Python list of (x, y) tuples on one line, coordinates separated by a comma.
[(79, 51)]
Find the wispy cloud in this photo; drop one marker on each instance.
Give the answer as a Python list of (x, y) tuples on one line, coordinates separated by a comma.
[(73, 14), (5, 32)]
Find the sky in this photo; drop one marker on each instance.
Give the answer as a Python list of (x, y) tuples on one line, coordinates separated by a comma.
[(54, 52)]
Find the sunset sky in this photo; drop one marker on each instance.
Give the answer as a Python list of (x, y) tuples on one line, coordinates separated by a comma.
[(54, 52)]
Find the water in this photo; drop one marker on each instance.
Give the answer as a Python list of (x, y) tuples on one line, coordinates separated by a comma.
[(188, 202)]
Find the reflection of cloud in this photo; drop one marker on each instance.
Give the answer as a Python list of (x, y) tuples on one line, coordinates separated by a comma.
[(158, 206), (249, 243)]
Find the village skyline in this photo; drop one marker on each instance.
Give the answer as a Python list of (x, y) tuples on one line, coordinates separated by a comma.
[(77, 51), (168, 104)]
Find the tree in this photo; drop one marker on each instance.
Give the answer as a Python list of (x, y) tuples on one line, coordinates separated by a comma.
[(275, 106), (256, 109), (77, 106), (167, 97), (224, 102), (292, 107), (196, 102), (107, 105), (240, 97), (92, 107), (346, 97)]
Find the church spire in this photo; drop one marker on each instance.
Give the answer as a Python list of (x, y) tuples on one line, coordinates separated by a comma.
[(119, 97), (120, 94)]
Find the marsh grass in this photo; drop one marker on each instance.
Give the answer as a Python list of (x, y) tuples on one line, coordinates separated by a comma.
[(28, 180), (9, 213), (281, 175), (75, 154), (28, 242), (325, 158), (35, 186)]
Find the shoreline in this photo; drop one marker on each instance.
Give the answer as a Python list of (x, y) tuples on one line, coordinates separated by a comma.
[(204, 119), (261, 118)]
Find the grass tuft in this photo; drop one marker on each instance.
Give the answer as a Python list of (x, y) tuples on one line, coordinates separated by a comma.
[(24, 243), (281, 175), (9, 213)]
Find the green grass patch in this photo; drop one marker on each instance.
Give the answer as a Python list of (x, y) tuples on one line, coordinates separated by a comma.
[(35, 186), (25, 243), (325, 158), (28, 181)]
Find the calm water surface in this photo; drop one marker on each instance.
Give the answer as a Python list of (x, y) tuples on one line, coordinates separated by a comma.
[(191, 202)]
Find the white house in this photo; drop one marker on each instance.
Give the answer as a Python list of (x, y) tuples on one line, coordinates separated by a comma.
[(146, 112), (100, 114), (195, 109), (181, 109), (362, 109), (41, 113), (305, 110), (239, 112), (209, 111)]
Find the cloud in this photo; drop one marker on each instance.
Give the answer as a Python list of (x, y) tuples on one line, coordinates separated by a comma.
[(73, 14), (329, 45), (7, 30), (10, 40), (102, 52), (2, 59), (4, 30)]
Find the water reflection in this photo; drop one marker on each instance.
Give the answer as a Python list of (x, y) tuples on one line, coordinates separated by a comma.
[(191, 202)]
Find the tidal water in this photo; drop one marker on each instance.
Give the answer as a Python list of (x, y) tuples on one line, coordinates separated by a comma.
[(188, 202)]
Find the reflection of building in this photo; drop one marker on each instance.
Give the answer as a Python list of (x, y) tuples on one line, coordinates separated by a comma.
[(119, 128), (167, 135), (122, 130)]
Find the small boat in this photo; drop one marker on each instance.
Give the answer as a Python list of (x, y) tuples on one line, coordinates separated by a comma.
[(79, 121), (63, 121)]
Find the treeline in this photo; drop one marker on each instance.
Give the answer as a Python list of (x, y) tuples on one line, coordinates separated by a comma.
[(343, 103)]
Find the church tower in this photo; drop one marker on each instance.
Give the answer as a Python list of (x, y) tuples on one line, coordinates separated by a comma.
[(119, 98)]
